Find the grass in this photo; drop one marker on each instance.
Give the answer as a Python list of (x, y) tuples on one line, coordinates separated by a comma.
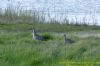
[(24, 20), (46, 27), (19, 49)]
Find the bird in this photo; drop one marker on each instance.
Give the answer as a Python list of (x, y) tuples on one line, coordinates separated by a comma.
[(36, 36), (67, 40)]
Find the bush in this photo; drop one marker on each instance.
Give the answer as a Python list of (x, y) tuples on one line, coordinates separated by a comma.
[(47, 36)]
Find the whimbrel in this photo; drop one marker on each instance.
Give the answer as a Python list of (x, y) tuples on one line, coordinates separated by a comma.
[(67, 40), (36, 36)]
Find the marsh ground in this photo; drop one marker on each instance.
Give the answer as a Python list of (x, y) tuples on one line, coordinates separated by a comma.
[(17, 48)]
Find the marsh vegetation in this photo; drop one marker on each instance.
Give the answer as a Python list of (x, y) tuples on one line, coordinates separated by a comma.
[(17, 47)]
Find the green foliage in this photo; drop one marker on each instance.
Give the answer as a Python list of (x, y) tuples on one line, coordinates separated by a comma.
[(17, 48), (47, 36), (27, 20)]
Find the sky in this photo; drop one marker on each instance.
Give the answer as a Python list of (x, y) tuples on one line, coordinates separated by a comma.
[(61, 5)]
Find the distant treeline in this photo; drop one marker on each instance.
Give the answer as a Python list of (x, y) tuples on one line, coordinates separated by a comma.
[(28, 20)]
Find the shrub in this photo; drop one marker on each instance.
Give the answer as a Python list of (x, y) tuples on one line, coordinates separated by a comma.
[(47, 36)]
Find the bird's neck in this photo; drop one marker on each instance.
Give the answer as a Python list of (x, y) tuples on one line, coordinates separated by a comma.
[(34, 34)]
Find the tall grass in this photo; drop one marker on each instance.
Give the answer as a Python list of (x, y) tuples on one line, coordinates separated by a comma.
[(27, 20), (19, 49)]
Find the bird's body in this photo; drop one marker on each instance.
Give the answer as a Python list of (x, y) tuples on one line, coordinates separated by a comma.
[(67, 40), (36, 36)]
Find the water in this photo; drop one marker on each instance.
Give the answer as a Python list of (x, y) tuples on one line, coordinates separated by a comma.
[(88, 34)]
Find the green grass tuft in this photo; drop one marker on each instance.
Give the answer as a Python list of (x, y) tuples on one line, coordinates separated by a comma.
[(47, 36)]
